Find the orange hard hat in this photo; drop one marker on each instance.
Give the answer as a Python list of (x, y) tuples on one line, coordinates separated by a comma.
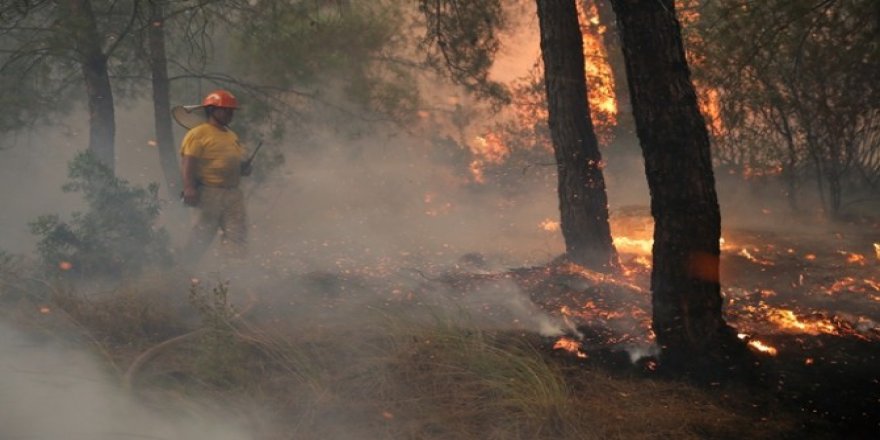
[(220, 98)]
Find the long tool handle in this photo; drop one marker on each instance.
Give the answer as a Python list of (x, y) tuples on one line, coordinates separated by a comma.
[(254, 154)]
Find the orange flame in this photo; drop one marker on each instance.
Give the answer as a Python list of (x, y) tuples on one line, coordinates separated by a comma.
[(549, 225), (600, 79), (569, 345), (853, 258), (487, 150), (748, 255), (758, 345), (762, 347), (787, 320)]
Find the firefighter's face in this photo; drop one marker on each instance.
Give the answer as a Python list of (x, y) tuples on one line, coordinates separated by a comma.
[(223, 115)]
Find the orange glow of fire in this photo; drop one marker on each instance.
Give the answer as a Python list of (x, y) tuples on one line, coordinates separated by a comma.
[(787, 320), (877, 250), (853, 258), (489, 148), (486, 150), (549, 225), (708, 99), (849, 284), (636, 246), (758, 345), (569, 345), (598, 278), (762, 347), (748, 255), (600, 80)]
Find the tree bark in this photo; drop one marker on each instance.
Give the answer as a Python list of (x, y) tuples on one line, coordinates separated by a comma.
[(162, 98), (93, 62), (583, 203), (686, 296)]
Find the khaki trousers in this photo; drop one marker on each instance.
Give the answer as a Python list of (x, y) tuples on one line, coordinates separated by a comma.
[(218, 209)]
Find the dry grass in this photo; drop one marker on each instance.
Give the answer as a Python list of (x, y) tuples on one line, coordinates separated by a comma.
[(388, 377)]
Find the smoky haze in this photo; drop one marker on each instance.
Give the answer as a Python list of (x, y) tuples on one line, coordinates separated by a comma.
[(339, 209), (50, 391)]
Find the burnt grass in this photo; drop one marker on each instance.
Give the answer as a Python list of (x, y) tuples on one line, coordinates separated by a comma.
[(828, 383)]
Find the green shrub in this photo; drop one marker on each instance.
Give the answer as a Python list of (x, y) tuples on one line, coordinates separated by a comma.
[(115, 236), (221, 360)]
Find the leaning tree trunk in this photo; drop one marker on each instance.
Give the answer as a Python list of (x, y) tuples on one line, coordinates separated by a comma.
[(93, 61), (583, 203), (686, 297), (162, 98)]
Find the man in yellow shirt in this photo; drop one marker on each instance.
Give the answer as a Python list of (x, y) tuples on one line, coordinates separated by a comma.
[(213, 162)]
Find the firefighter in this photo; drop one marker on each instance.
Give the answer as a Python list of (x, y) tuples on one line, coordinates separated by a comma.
[(213, 162)]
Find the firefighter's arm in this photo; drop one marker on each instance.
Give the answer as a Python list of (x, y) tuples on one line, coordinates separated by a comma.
[(190, 186)]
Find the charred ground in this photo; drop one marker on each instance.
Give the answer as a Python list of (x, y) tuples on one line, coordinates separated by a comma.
[(554, 351)]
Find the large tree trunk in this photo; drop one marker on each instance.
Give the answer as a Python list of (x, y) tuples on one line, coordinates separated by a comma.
[(687, 304), (583, 203), (162, 98), (93, 61)]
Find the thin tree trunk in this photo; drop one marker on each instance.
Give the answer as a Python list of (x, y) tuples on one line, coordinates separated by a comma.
[(686, 296), (790, 174), (87, 41), (162, 98), (583, 203), (623, 130)]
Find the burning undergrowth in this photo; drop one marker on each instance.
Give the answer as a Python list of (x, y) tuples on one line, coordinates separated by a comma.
[(462, 350)]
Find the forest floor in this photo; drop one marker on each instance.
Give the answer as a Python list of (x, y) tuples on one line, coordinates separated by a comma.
[(470, 352)]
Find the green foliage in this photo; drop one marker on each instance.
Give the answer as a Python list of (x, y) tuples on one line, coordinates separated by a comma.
[(348, 57), (462, 39), (116, 236), (221, 357), (303, 43), (797, 87)]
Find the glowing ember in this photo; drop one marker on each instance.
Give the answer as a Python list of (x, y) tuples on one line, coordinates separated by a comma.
[(762, 347), (853, 285), (549, 225), (748, 255), (569, 345), (598, 278), (853, 258), (65, 265), (757, 345), (877, 250), (788, 320)]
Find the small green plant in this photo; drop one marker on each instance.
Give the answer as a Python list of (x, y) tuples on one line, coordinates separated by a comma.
[(115, 236), (221, 357)]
